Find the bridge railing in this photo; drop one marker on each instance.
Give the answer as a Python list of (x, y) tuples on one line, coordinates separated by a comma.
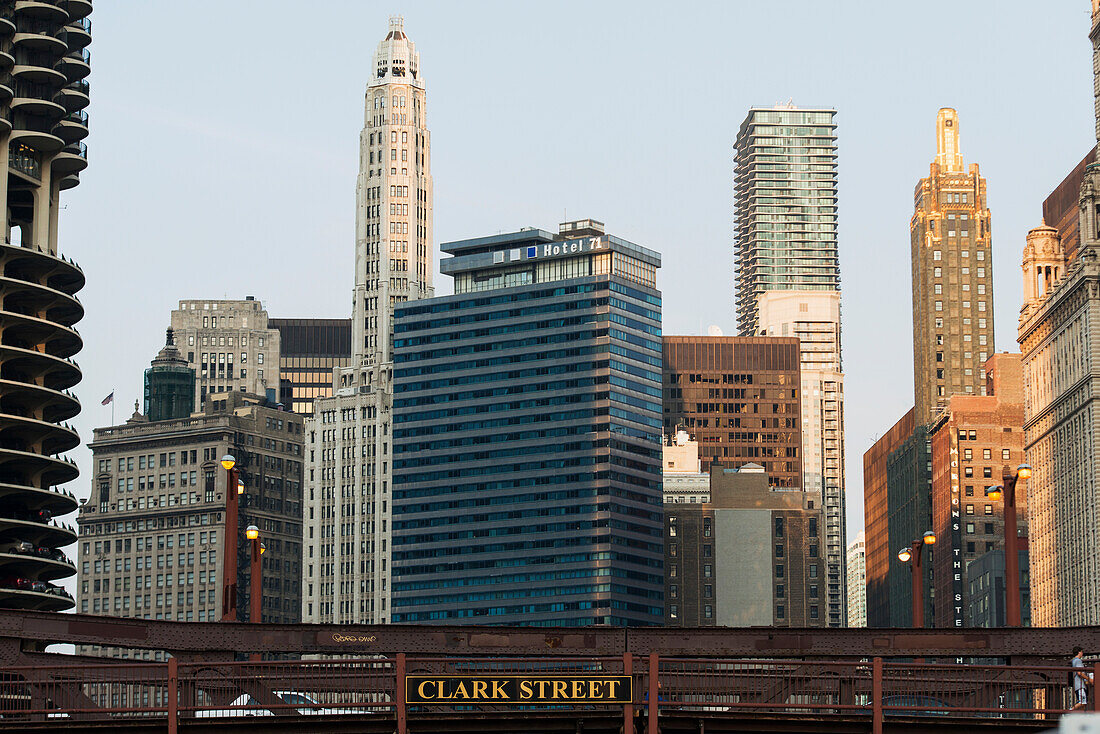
[(677, 686)]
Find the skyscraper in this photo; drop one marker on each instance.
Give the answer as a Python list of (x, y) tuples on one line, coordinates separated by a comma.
[(952, 277), (785, 203), (526, 441), (788, 284), (1058, 336), (349, 474), (43, 73)]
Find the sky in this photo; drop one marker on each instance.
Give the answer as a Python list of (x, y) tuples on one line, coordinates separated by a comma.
[(224, 150)]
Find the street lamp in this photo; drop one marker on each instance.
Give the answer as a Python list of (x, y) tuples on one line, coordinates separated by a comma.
[(229, 562), (913, 552), (1007, 491), (254, 589)]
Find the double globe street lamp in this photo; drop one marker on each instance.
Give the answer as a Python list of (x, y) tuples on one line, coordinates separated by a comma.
[(229, 560), (913, 553), (1007, 492)]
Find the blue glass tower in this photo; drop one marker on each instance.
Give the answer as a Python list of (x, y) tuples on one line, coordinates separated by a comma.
[(527, 435)]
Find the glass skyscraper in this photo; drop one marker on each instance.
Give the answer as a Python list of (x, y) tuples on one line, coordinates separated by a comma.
[(786, 206), (527, 435), (788, 284)]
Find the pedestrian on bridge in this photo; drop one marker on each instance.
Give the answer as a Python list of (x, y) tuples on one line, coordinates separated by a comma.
[(1080, 679)]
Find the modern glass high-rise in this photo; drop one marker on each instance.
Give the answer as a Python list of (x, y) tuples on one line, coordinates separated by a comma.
[(788, 284), (527, 435), (785, 203)]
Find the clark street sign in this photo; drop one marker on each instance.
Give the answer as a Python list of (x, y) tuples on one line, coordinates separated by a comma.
[(507, 689)]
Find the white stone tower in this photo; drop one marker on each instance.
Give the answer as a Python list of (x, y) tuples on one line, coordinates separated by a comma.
[(393, 198), (349, 465)]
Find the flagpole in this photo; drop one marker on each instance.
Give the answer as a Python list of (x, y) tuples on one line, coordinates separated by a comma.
[(112, 406)]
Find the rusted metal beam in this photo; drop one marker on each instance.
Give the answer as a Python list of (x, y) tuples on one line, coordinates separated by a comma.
[(24, 632)]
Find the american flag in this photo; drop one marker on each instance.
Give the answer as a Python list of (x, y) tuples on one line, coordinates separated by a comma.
[(109, 399)]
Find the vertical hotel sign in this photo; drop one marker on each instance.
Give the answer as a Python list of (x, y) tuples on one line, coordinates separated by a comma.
[(956, 535)]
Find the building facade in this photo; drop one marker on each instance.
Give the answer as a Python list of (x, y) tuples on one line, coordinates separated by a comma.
[(309, 351), (908, 517), (739, 398), (785, 204), (350, 467), (952, 276), (152, 532), (974, 439), (857, 582), (814, 317), (1061, 208), (880, 552), (1058, 336), (986, 589), (686, 489), (526, 436), (768, 564), (229, 345), (42, 123), (745, 555)]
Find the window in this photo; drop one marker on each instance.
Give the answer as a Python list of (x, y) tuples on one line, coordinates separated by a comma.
[(778, 550), (937, 255), (989, 528), (989, 509), (779, 527), (970, 509), (970, 527), (780, 611), (968, 454), (1006, 454), (987, 472), (780, 591), (987, 453), (779, 570)]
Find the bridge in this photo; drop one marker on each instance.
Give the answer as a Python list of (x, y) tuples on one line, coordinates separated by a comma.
[(404, 678)]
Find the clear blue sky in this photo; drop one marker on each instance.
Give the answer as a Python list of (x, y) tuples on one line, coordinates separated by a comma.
[(223, 151)]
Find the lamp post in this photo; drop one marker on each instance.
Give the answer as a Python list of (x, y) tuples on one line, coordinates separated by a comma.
[(229, 562), (913, 553), (254, 590), (1007, 491)]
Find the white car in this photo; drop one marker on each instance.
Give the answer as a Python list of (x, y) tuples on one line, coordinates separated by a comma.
[(305, 704)]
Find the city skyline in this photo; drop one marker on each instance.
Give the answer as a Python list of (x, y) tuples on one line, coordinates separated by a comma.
[(233, 261)]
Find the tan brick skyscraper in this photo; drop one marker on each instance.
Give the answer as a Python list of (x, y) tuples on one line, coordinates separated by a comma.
[(952, 277)]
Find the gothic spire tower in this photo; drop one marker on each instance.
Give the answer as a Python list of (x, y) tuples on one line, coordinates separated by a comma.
[(393, 202), (349, 470)]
